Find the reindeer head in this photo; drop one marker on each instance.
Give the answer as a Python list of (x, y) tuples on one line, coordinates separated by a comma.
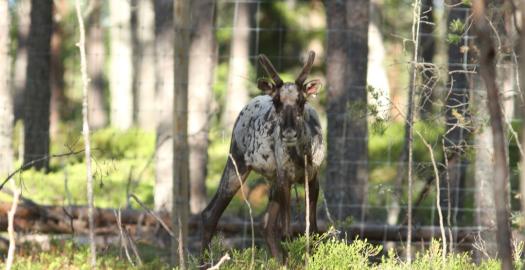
[(289, 98)]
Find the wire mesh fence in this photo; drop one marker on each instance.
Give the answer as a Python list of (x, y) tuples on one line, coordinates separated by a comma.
[(131, 67)]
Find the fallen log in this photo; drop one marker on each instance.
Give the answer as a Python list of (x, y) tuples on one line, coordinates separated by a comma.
[(33, 218)]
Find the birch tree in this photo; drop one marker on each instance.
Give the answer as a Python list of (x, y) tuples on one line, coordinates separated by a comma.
[(121, 66), (201, 65), (96, 54), (164, 98), (239, 65), (6, 95)]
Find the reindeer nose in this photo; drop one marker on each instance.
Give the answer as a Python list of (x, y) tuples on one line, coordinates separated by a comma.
[(289, 135)]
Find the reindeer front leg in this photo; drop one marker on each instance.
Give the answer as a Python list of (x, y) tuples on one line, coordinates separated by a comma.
[(284, 187), (273, 231)]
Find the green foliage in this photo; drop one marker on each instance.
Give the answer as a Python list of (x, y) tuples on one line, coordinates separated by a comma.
[(114, 144), (67, 255), (456, 30), (122, 163), (338, 254), (327, 251)]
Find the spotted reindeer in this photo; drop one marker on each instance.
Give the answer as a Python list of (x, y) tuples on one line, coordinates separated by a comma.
[(272, 136)]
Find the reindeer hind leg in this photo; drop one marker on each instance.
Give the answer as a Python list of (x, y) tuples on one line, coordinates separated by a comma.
[(228, 186)]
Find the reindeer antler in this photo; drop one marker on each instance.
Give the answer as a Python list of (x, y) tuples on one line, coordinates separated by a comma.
[(270, 70), (306, 68)]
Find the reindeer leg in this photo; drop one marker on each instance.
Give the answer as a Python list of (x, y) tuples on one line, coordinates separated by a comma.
[(272, 230), (228, 187), (313, 195), (284, 197)]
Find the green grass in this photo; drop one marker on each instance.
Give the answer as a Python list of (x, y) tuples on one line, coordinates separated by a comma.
[(326, 251)]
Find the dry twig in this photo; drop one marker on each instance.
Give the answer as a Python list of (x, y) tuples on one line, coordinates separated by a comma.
[(307, 218), (252, 262), (11, 229), (153, 214), (224, 258)]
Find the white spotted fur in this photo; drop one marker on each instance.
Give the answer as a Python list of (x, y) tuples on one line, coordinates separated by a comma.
[(256, 134)]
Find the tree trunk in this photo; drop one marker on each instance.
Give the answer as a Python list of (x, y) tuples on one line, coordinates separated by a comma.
[(202, 62), (484, 174), (57, 67), (145, 75), (456, 109), (237, 92), (6, 95), (500, 182), (181, 176), (120, 73), (347, 168), (98, 117), (427, 44), (164, 96), (23, 10), (376, 74), (38, 89), (522, 82)]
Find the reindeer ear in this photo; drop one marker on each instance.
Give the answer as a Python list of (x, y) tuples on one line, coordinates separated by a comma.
[(266, 86), (312, 87)]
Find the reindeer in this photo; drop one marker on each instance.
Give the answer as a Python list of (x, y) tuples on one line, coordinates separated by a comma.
[(272, 136)]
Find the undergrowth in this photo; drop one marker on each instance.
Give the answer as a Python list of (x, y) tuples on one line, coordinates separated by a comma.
[(327, 251)]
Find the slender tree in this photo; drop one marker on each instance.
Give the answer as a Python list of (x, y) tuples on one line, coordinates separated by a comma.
[(96, 55), (181, 179), (144, 52), (6, 95), (121, 69), (38, 89), (201, 65), (23, 10), (164, 100), (500, 182), (456, 115), (347, 168), (239, 65), (427, 45), (85, 134), (485, 162), (522, 82), (484, 173)]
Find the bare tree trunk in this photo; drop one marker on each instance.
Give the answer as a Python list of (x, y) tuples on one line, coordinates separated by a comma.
[(38, 90), (120, 74), (428, 49), (500, 183), (144, 73), (376, 73), (181, 178), (23, 10), (201, 65), (6, 95), (484, 174), (57, 67), (164, 96), (456, 110), (347, 168), (238, 75), (522, 93), (96, 52), (85, 135)]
